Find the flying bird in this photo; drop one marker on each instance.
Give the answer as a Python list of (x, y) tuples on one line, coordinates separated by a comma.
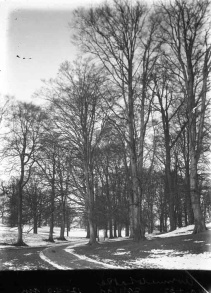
[(23, 57)]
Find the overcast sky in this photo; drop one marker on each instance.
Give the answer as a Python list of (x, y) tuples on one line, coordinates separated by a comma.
[(36, 30)]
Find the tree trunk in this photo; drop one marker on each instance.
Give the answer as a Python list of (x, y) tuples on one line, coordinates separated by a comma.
[(50, 238), (92, 239), (115, 228), (106, 233), (188, 196), (35, 224), (87, 231), (20, 207), (39, 221), (131, 216), (195, 198), (119, 230), (169, 186), (110, 229), (97, 234), (127, 231), (62, 230)]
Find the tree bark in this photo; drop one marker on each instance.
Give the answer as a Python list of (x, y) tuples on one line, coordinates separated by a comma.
[(115, 228), (35, 224), (127, 231), (110, 228), (119, 230), (87, 230), (51, 238), (20, 206), (62, 230), (199, 221)]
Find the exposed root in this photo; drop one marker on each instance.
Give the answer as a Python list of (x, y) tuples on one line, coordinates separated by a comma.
[(20, 243), (61, 238)]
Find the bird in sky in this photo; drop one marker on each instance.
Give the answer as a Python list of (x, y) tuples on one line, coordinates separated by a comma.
[(23, 57)]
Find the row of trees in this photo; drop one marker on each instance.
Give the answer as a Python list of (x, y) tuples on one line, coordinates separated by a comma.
[(124, 133)]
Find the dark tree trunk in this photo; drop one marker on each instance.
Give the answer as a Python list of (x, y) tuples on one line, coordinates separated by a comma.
[(87, 231), (127, 230), (106, 233), (170, 192), (51, 238), (110, 229), (131, 214), (195, 199), (97, 233), (115, 228), (188, 197), (35, 224), (20, 208), (62, 230), (119, 230)]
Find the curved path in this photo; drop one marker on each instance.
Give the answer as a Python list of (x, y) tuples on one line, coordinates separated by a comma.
[(45, 258), (61, 259)]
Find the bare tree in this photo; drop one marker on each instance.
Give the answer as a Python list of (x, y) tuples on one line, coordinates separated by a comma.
[(76, 98), (120, 36), (185, 31), (21, 142)]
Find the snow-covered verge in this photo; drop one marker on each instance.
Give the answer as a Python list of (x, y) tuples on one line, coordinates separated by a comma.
[(8, 236), (160, 258), (171, 260), (182, 231)]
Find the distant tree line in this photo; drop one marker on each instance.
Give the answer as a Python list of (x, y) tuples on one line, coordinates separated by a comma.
[(123, 138)]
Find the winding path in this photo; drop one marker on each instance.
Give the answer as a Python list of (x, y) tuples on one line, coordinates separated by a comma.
[(61, 259), (44, 258)]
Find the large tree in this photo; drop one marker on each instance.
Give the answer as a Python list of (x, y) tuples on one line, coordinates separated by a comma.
[(76, 99), (120, 36), (185, 32), (24, 122)]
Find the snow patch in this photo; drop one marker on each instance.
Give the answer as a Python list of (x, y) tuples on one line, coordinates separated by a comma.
[(9, 235), (121, 253), (186, 262)]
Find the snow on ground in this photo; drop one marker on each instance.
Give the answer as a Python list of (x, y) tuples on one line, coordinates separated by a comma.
[(182, 231), (162, 258), (9, 235), (166, 260), (158, 258)]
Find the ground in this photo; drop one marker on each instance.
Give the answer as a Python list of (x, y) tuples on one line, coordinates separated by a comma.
[(178, 250)]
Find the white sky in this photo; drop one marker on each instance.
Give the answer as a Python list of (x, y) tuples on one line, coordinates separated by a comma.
[(37, 30)]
